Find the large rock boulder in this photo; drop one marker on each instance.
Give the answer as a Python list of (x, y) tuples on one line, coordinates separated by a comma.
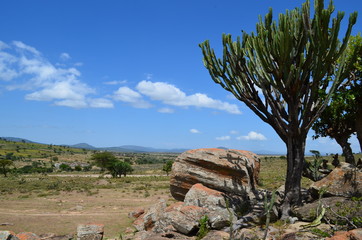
[(343, 181), (228, 171)]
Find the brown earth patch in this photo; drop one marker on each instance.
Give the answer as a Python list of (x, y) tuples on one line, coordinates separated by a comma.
[(60, 214)]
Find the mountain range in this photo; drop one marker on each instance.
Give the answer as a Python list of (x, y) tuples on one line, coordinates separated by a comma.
[(130, 148)]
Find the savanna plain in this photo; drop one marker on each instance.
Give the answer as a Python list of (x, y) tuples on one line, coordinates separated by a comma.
[(37, 196)]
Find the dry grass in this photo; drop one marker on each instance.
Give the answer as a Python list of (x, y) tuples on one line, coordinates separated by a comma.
[(108, 202)]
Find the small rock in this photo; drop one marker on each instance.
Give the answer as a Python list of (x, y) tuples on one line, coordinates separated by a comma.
[(355, 234), (8, 235), (92, 231), (136, 213), (53, 236), (27, 236)]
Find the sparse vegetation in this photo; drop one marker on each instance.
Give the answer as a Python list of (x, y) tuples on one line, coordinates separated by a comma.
[(204, 227)]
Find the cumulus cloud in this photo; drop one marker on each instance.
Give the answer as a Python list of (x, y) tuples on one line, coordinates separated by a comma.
[(223, 138), (125, 94), (166, 110), (171, 95), (253, 136), (24, 68), (193, 130)]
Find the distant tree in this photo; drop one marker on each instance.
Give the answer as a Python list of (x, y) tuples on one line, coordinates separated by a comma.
[(65, 167), (10, 156), (103, 159), (119, 168), (279, 71), (167, 167), (4, 166)]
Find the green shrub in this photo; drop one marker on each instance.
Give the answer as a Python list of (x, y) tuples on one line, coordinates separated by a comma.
[(204, 227)]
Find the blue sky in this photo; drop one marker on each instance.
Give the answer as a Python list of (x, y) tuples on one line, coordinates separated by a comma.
[(113, 73)]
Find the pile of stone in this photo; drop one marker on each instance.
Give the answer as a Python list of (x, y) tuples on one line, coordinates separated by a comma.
[(216, 183), (221, 184)]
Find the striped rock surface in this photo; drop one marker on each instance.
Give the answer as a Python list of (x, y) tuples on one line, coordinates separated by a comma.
[(229, 171)]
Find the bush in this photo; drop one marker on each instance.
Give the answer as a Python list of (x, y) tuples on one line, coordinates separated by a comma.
[(65, 167)]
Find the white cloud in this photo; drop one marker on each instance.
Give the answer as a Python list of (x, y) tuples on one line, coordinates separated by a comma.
[(125, 94), (149, 76), (223, 138), (101, 103), (7, 70), (26, 69), (64, 56), (193, 130), (166, 110), (23, 47), (73, 103), (234, 132), (253, 136), (72, 90), (169, 94), (115, 82), (3, 45)]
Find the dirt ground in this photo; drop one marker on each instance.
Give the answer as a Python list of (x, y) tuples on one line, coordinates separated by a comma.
[(60, 214)]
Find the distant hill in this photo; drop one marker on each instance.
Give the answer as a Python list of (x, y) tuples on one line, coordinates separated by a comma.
[(15, 139), (83, 145), (128, 148)]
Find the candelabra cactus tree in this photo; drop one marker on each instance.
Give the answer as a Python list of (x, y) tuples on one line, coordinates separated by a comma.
[(279, 72)]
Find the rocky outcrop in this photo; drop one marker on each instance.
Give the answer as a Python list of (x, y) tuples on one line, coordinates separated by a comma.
[(227, 171), (343, 181), (184, 217)]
